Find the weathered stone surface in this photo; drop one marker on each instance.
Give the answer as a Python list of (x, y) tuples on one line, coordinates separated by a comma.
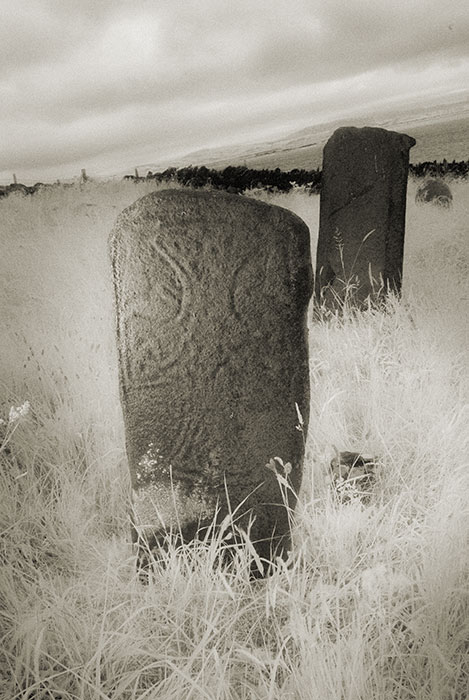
[(362, 214), (436, 192), (211, 298)]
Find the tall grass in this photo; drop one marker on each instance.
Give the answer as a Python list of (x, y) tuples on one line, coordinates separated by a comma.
[(373, 604)]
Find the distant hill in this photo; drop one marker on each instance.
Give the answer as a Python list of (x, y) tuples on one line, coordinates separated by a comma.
[(441, 132)]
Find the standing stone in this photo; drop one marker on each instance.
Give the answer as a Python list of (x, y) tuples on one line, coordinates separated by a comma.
[(211, 295), (362, 215)]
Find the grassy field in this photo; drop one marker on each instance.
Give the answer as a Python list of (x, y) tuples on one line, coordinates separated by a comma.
[(375, 602)]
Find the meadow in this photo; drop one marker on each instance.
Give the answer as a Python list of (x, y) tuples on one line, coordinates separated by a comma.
[(374, 601)]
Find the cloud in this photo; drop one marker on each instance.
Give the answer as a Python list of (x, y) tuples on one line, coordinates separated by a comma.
[(114, 79)]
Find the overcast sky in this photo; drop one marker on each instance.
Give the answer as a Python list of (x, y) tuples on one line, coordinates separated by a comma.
[(106, 85)]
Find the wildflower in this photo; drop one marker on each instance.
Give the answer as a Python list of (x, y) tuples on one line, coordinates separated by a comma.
[(278, 461), (19, 412), (13, 415)]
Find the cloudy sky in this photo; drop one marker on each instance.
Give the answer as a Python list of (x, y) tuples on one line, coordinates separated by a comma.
[(106, 85)]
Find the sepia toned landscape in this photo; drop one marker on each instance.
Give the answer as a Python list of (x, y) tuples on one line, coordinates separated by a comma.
[(234, 350), (373, 602)]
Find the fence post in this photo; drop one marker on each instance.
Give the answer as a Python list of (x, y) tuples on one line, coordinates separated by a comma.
[(14, 179)]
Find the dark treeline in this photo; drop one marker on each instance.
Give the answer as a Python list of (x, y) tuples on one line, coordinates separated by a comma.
[(28, 189), (455, 169), (17, 187), (238, 178)]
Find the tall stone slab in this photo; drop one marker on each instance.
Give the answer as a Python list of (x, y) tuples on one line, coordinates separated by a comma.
[(362, 215), (211, 294)]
